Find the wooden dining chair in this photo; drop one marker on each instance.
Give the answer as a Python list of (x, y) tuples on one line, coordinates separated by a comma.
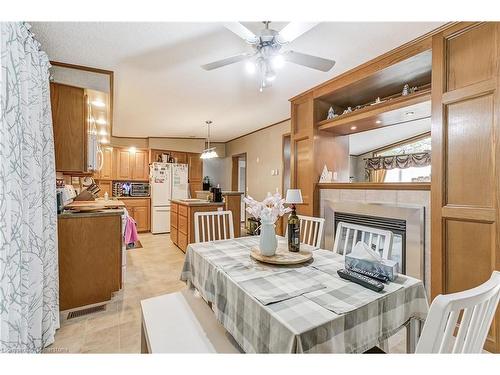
[(311, 230), (476, 307), (348, 235), (213, 225)]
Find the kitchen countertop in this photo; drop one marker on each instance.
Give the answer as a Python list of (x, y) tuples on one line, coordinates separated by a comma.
[(197, 203), (128, 197), (223, 193), (67, 214)]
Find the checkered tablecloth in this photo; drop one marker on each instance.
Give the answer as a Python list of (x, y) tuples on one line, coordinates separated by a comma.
[(297, 309)]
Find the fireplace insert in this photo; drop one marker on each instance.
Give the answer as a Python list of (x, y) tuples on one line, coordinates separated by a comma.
[(396, 226)]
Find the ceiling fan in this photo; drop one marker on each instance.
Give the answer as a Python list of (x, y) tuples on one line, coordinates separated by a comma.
[(267, 55)]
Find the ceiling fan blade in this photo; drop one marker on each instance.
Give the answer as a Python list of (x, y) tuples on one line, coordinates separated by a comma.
[(293, 30), (241, 31), (226, 61), (310, 61)]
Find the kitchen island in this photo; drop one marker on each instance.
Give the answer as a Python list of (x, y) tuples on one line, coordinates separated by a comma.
[(90, 257), (182, 218)]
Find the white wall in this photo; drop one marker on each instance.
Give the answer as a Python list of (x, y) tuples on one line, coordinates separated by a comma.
[(264, 154)]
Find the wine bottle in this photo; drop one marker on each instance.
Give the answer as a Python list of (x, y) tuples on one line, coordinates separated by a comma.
[(293, 231)]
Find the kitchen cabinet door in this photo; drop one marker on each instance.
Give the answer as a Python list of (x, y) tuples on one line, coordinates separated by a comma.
[(140, 170), (124, 167), (180, 157), (69, 114), (195, 167), (141, 217)]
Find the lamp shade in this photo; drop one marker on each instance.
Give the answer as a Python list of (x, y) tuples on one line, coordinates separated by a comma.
[(293, 196)]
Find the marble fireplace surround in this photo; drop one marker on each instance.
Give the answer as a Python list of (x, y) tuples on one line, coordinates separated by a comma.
[(411, 206)]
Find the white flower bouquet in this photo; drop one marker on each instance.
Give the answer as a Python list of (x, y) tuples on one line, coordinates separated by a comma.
[(269, 210)]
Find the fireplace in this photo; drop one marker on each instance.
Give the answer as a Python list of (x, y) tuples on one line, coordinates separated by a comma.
[(407, 222), (396, 226)]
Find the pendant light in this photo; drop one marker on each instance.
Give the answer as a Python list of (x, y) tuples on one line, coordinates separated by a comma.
[(209, 152)]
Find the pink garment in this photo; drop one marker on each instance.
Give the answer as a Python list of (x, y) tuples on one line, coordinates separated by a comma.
[(130, 231)]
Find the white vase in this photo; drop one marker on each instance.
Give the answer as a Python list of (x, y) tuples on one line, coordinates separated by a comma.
[(267, 242)]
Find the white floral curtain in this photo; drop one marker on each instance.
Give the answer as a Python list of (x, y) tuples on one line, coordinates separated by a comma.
[(29, 290)]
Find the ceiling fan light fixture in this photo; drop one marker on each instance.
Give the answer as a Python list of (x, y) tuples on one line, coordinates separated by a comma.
[(278, 61), (250, 67)]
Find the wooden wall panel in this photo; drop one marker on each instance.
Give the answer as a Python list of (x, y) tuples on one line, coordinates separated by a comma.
[(471, 56), (468, 258), (465, 187), (470, 153), (302, 122), (304, 174)]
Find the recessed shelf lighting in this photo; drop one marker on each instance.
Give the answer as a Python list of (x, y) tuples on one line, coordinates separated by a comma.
[(132, 149), (354, 127), (103, 132), (378, 122), (101, 121), (104, 141)]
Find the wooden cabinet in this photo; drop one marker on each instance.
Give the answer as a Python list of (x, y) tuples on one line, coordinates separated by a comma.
[(106, 172), (180, 157), (465, 170), (140, 167), (139, 209), (132, 165), (90, 258), (182, 218), (195, 165), (123, 165), (69, 119)]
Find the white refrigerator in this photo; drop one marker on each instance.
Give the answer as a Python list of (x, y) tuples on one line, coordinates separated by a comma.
[(168, 181)]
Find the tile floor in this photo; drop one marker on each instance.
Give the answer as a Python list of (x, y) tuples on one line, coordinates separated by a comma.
[(152, 270)]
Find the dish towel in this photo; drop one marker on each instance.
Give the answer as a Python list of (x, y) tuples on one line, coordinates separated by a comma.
[(130, 231)]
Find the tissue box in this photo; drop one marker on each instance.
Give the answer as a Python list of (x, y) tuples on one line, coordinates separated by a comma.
[(388, 268)]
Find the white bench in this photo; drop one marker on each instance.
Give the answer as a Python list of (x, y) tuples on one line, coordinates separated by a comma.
[(182, 323)]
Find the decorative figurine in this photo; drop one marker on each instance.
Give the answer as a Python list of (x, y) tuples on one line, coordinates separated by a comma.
[(406, 89), (348, 110), (331, 114), (413, 89)]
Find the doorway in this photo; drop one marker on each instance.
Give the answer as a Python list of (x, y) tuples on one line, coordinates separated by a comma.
[(285, 182), (239, 179)]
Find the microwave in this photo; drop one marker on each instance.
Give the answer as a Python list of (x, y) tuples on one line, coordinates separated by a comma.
[(139, 189)]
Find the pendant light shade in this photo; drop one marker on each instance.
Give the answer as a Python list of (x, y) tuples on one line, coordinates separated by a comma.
[(209, 152)]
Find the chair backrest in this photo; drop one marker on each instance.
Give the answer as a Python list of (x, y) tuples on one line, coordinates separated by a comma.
[(213, 225), (311, 230), (475, 307), (347, 236)]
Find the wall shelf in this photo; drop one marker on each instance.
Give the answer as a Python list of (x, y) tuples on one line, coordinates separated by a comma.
[(390, 112)]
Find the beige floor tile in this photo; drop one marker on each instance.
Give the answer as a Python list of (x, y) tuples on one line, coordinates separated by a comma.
[(152, 270)]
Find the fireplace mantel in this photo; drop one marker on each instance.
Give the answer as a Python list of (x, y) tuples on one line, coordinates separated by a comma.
[(376, 185)]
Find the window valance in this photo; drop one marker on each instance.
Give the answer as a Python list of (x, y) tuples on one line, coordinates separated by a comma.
[(419, 159)]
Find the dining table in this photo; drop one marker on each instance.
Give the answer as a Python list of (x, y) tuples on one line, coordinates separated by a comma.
[(302, 308)]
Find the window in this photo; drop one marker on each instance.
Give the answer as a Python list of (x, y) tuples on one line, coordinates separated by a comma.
[(413, 174)]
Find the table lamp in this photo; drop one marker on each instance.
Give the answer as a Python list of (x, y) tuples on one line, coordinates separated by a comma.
[(293, 197)]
